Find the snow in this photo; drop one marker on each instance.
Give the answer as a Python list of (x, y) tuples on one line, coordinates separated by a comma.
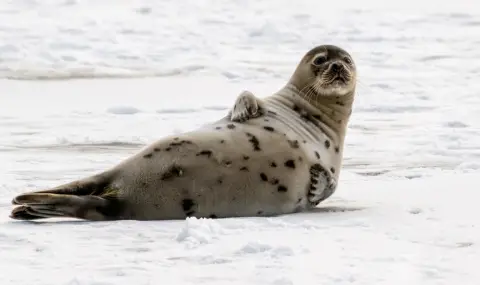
[(84, 84)]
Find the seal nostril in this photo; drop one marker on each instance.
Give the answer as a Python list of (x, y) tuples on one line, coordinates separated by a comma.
[(335, 67)]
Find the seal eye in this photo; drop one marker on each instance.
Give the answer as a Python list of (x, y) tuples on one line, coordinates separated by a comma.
[(347, 60), (319, 60)]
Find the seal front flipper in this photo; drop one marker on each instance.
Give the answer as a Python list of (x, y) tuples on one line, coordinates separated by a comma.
[(322, 185), (89, 199), (246, 107)]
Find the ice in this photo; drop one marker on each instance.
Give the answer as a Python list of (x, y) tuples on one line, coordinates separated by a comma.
[(84, 84)]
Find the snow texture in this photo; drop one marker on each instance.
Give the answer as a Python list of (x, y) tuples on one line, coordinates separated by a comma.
[(406, 208)]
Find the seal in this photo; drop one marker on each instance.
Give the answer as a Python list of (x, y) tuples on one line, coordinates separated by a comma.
[(276, 155)]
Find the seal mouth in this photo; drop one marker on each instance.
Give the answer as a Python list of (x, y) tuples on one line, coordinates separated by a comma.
[(339, 79)]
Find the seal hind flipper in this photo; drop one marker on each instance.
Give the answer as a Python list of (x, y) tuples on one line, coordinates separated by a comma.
[(46, 205), (24, 213), (91, 198), (94, 185)]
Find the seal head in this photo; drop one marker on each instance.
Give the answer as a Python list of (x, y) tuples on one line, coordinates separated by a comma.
[(326, 70)]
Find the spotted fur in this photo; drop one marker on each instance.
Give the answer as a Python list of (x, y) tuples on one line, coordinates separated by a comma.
[(172, 172), (254, 141), (189, 206), (207, 153)]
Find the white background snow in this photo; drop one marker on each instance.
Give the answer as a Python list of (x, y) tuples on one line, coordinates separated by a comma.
[(406, 210)]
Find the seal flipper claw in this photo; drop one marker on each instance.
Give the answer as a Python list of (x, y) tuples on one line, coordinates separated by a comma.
[(246, 107), (23, 213)]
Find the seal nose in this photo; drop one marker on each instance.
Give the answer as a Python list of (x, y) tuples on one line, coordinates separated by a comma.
[(336, 67)]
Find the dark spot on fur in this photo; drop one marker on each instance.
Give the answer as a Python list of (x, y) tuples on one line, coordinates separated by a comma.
[(213, 216), (300, 158), (268, 128), (255, 143), (168, 149), (318, 117), (271, 112), (274, 181), (231, 126), (219, 180), (246, 157), (172, 171), (148, 155), (263, 176), (317, 155), (244, 168), (304, 141), (282, 188), (337, 149), (207, 153), (313, 180), (327, 143), (222, 141), (273, 164), (187, 142), (228, 162), (188, 206), (308, 118), (156, 149), (293, 144), (332, 169), (266, 120), (218, 128), (290, 163), (340, 103), (304, 115)]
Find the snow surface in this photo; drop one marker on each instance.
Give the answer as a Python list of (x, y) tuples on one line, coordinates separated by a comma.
[(406, 211)]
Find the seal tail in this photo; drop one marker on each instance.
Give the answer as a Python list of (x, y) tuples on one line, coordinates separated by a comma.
[(89, 199)]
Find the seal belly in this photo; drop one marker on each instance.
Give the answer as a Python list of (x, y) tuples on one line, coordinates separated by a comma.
[(226, 170)]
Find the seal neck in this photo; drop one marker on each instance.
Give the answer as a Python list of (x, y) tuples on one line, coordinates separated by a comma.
[(335, 110)]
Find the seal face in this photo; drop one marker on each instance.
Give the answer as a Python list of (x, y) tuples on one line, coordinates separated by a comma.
[(332, 72), (270, 156)]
